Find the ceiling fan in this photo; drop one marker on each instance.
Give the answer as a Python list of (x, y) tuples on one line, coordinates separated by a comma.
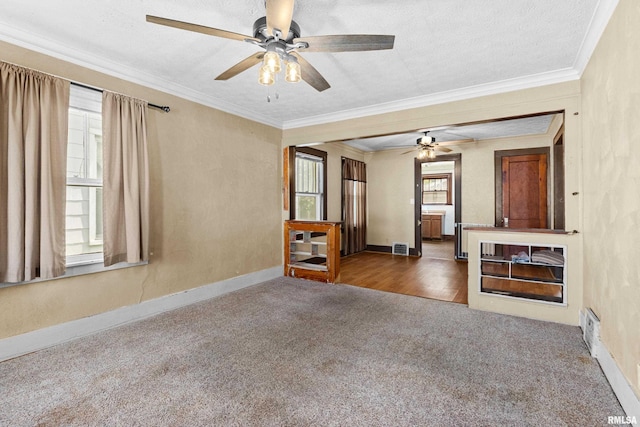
[(279, 36), (427, 146)]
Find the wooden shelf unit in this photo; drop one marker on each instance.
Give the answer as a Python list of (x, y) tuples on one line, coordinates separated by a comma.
[(503, 273), (312, 250)]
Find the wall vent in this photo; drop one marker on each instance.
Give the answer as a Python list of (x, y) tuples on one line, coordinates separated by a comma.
[(400, 249), (591, 331)]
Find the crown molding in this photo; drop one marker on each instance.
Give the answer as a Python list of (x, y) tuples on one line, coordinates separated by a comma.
[(599, 21), (527, 82), (47, 47)]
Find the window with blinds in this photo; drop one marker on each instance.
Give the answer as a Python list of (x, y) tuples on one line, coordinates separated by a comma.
[(436, 189), (309, 187)]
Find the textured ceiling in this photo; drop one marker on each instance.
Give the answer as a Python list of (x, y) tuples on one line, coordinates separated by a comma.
[(442, 48), (449, 135)]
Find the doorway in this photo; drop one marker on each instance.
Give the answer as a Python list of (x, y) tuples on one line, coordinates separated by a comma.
[(521, 187), (450, 204)]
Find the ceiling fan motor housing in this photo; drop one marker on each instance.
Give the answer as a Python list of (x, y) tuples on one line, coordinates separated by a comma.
[(260, 30), (425, 140)]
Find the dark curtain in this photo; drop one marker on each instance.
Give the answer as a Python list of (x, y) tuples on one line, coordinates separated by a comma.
[(354, 205)]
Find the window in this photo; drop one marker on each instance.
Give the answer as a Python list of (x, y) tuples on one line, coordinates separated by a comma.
[(436, 189), (308, 187), (84, 178), (309, 200)]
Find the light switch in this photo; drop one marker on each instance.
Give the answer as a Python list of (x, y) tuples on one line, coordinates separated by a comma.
[(412, 201)]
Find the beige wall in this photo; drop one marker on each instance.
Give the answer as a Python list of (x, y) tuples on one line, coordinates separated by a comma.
[(391, 174), (611, 139), (215, 208), (392, 178)]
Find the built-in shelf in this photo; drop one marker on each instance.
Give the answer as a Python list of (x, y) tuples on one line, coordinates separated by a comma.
[(525, 271), (312, 250)]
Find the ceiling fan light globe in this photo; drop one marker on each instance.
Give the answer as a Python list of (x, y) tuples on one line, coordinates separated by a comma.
[(266, 77), (292, 73), (272, 61), (431, 154)]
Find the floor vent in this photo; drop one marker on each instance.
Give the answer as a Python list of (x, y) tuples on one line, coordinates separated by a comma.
[(400, 249), (591, 331)]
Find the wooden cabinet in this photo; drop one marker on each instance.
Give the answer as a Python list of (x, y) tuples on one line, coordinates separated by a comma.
[(432, 225), (312, 250)]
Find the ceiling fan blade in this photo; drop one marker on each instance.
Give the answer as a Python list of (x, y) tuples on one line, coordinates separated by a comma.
[(241, 66), (347, 43), (198, 28), (443, 149), (311, 75), (407, 152), (456, 142), (279, 15)]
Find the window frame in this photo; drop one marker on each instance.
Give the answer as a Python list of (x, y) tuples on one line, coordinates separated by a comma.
[(448, 177), (82, 100), (293, 154)]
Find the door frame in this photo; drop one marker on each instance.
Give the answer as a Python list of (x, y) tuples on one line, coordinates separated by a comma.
[(498, 155), (457, 180)]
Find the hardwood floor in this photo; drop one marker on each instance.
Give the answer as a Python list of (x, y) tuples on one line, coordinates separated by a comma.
[(436, 275)]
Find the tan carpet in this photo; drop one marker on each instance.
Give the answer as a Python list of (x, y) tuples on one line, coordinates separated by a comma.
[(295, 353)]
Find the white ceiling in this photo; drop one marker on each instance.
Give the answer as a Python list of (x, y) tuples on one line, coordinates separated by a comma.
[(444, 49), (449, 135)]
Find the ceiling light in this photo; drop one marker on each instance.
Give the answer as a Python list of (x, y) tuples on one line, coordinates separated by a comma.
[(272, 61), (272, 65), (266, 77), (292, 72), (431, 153)]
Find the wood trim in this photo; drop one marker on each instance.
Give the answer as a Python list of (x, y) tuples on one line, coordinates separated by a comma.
[(389, 250), (559, 181), (377, 248), (519, 230), (457, 173), (285, 179), (446, 175), (292, 178), (455, 125)]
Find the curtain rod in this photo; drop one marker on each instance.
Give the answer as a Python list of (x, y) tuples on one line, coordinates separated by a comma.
[(164, 108)]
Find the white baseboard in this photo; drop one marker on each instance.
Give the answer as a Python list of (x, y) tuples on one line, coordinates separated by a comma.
[(626, 396), (47, 337), (623, 391)]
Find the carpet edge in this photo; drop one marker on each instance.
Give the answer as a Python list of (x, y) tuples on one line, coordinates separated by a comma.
[(40, 339)]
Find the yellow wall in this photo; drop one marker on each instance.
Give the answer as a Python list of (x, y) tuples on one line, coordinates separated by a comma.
[(611, 140), (215, 198)]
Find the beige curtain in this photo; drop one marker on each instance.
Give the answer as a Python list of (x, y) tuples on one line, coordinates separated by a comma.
[(354, 205), (125, 180), (34, 110)]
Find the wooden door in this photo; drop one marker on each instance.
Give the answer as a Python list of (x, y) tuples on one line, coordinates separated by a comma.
[(524, 191)]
